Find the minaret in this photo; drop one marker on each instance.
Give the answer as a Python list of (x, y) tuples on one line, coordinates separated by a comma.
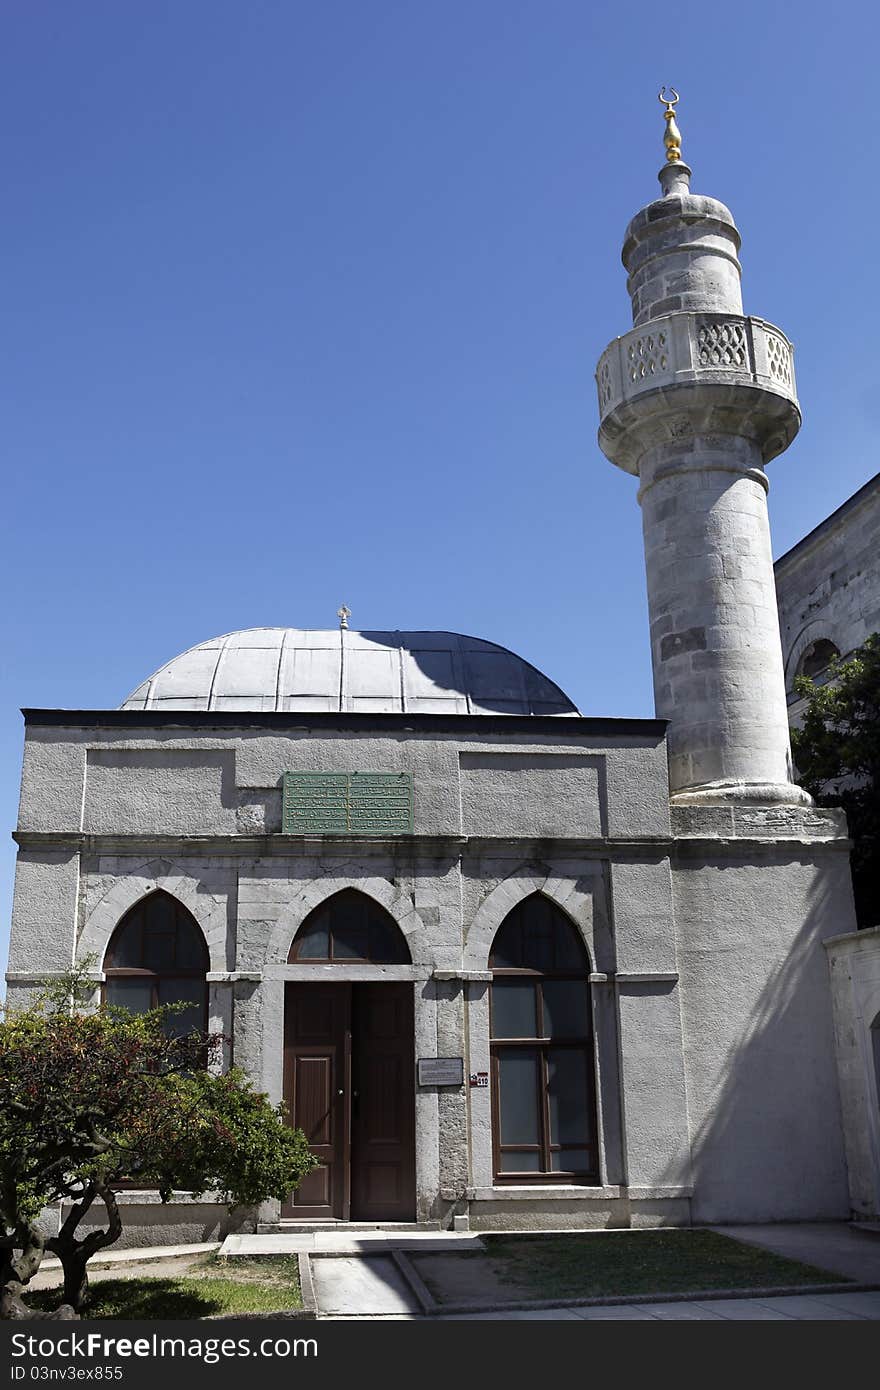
[(694, 401)]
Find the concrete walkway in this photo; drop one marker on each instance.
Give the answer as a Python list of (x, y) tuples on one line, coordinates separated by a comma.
[(832, 1307), (151, 1261), (139, 1253), (372, 1275), (834, 1245)]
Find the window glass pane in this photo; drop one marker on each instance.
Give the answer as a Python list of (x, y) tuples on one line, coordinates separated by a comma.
[(571, 1161), (566, 1012), (537, 946), (568, 949), (518, 1099), (192, 992), (567, 1086), (513, 1009), (135, 995), (313, 943), (189, 951), (520, 1161), (349, 941), (507, 947), (159, 912), (349, 927), (538, 936), (386, 944), (158, 950), (125, 948)]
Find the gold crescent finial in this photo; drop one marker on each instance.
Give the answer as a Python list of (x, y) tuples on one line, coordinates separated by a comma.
[(672, 138)]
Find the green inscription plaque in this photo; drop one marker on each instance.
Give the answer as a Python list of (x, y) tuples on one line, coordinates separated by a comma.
[(347, 803)]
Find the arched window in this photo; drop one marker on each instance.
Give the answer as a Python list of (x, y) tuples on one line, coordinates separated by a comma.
[(543, 1081), (817, 658), (157, 955), (347, 928)]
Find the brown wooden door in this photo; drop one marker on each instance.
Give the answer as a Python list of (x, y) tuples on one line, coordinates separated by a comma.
[(383, 1186), (349, 1084), (316, 1082)]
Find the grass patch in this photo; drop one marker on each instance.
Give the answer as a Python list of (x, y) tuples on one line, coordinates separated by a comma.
[(609, 1265), (268, 1284), (638, 1262)]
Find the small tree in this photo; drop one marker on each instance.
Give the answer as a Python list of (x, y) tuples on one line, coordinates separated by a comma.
[(90, 1098), (837, 752)]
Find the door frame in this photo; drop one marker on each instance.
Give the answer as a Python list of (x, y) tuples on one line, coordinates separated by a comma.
[(342, 1082)]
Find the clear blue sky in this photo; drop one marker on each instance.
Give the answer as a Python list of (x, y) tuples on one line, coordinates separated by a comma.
[(302, 303)]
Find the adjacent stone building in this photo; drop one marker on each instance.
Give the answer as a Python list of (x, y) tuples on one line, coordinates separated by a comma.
[(828, 589), (509, 966)]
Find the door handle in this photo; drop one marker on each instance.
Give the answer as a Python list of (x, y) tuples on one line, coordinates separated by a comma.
[(340, 1092)]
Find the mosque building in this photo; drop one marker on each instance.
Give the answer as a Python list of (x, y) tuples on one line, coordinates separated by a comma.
[(508, 965)]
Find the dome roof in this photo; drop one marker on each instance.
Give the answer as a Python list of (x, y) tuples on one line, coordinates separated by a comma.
[(288, 668)]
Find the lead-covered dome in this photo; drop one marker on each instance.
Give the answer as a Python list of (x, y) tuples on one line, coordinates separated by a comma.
[(296, 669)]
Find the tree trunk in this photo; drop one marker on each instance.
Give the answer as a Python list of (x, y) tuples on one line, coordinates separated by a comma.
[(76, 1279), (75, 1254), (16, 1274)]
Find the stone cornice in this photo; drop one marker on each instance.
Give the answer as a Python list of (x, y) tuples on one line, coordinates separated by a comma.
[(433, 847), (572, 727), (826, 528), (284, 846)]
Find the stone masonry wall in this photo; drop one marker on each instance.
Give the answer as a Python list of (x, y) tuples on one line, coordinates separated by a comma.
[(828, 585)]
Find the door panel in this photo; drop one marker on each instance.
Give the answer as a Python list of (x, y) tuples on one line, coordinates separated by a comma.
[(316, 1020), (383, 1103), (349, 1084)]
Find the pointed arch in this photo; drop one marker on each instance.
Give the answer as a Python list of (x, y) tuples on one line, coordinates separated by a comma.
[(575, 900), (396, 902), (158, 955), (544, 1115), (538, 936), (208, 908), (349, 927)]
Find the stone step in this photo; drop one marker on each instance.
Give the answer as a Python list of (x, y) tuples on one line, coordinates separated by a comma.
[(306, 1227), (369, 1243)]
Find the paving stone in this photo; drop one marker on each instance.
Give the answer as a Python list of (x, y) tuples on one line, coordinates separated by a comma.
[(685, 1312), (361, 1286), (865, 1305), (746, 1310), (807, 1307), (618, 1312), (540, 1315)]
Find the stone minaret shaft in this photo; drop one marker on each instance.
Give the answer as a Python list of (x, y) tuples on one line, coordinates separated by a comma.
[(695, 400)]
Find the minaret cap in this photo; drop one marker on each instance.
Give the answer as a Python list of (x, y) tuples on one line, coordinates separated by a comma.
[(675, 175)]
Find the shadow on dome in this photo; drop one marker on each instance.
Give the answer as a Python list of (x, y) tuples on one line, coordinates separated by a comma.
[(453, 673)]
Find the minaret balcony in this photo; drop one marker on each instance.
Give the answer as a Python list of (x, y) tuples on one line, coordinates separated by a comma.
[(696, 373)]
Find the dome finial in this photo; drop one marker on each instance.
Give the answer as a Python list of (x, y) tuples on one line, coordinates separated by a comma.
[(672, 138), (343, 614), (675, 174)]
